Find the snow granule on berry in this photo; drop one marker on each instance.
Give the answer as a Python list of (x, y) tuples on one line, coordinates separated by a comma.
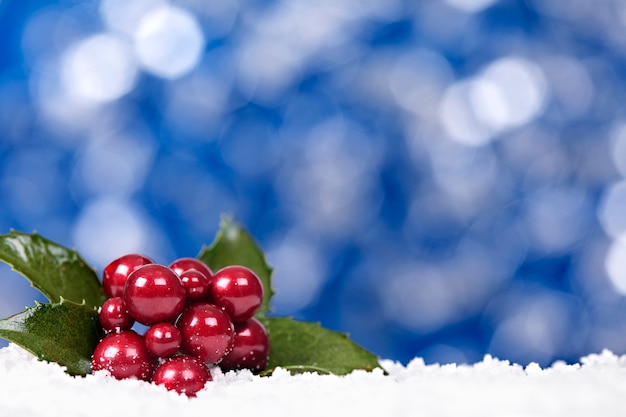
[(492, 387)]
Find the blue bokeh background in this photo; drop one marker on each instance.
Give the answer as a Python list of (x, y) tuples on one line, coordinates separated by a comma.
[(439, 178)]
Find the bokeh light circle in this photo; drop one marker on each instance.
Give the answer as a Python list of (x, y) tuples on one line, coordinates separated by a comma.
[(168, 42), (100, 68)]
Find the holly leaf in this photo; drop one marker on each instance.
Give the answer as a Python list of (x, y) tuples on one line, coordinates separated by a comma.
[(53, 269), (66, 333), (234, 246), (307, 347)]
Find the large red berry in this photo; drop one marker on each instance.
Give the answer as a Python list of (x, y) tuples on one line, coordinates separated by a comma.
[(196, 285), (251, 347), (124, 355), (237, 290), (114, 316), (154, 293), (207, 332), (163, 340), (181, 265), (183, 374), (115, 274)]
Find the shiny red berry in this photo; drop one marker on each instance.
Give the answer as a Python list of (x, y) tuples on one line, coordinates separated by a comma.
[(181, 265), (114, 316), (154, 293), (123, 355), (196, 285), (250, 349), (163, 340), (237, 290), (183, 374), (115, 274), (207, 332)]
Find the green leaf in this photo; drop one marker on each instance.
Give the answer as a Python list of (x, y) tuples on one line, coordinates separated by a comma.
[(234, 246), (66, 333), (307, 347), (51, 268)]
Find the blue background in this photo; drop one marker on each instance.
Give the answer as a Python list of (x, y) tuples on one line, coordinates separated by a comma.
[(441, 179)]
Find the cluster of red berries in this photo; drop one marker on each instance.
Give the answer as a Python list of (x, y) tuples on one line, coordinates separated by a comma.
[(195, 319)]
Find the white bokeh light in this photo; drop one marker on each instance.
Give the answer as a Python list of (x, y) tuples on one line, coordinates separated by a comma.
[(470, 178), (612, 210), (301, 276), (59, 110), (536, 326), (615, 265), (618, 148), (510, 93), (169, 42), (280, 40), (100, 68), (418, 298), (424, 297), (472, 6), (331, 179), (554, 218), (458, 119), (417, 80), (124, 16), (108, 228)]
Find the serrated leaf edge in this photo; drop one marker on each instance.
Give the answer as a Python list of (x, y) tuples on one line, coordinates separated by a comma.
[(25, 274), (28, 310)]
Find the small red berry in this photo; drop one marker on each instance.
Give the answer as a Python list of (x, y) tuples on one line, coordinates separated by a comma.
[(181, 265), (123, 355), (115, 274), (114, 316), (196, 285), (163, 340), (251, 347), (237, 290), (154, 293), (183, 374), (207, 332)]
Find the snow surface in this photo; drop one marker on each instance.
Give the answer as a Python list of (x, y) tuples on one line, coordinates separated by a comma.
[(594, 387)]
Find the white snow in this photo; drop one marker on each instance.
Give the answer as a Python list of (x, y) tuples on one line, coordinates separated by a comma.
[(594, 387)]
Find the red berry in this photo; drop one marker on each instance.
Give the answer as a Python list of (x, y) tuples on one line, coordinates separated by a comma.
[(124, 355), (115, 274), (163, 340), (207, 332), (114, 316), (183, 374), (154, 293), (196, 285), (181, 265), (237, 290), (251, 347)]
